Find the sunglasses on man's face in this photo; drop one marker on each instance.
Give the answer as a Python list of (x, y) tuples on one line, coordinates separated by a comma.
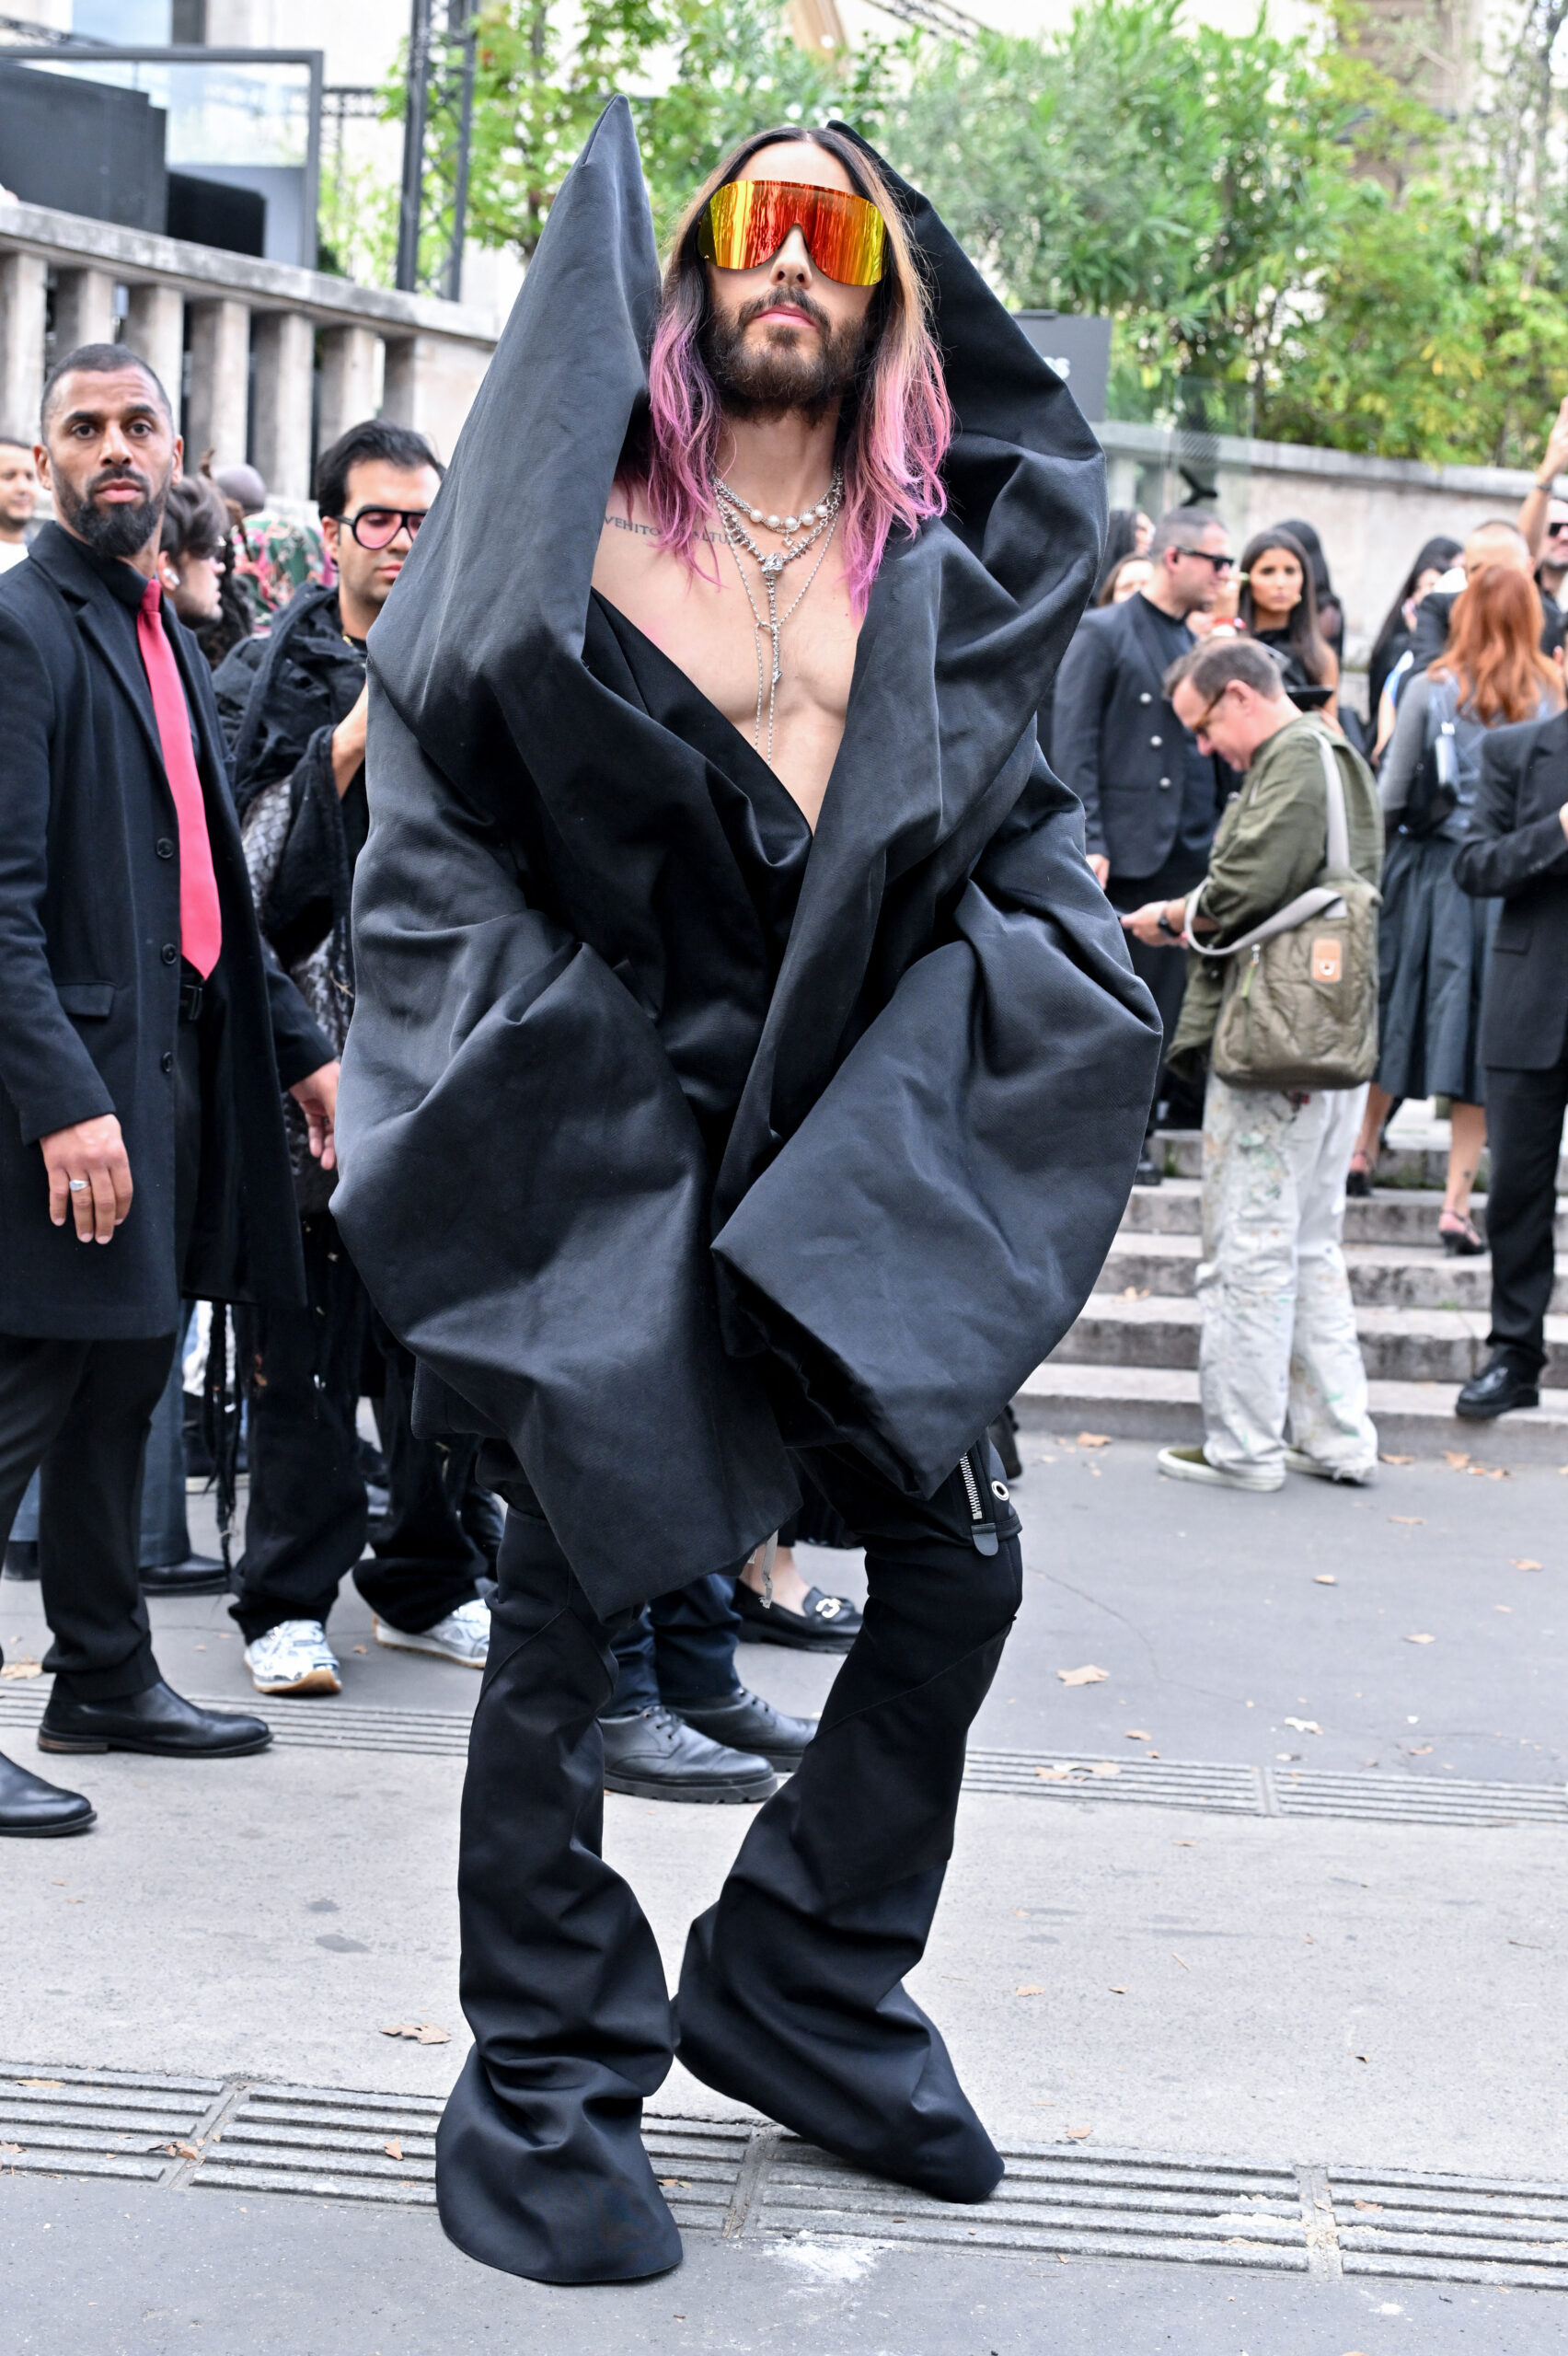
[(1220, 564), (745, 223), (1558, 531), (377, 527)]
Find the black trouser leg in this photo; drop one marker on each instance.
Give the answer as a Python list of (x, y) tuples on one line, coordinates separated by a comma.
[(78, 1414), (1162, 971), (790, 1995), (424, 1563), (1524, 1123), (305, 1523), (540, 2167)]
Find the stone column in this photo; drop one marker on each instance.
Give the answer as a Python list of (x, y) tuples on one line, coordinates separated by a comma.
[(155, 330), (431, 383), (218, 408), (84, 309), (285, 362), (24, 297), (351, 389)]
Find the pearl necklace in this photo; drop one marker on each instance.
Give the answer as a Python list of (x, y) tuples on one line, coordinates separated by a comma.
[(800, 533)]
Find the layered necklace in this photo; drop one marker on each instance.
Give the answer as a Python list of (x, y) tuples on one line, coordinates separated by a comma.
[(798, 536)]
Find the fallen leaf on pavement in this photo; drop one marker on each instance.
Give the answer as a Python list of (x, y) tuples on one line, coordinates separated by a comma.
[(1139, 1734), (180, 2151), (1094, 1440), (1394, 1460), (1361, 2057), (422, 2032), (1411, 1520), (1325, 1578), (1305, 1726), (1076, 2134), (1054, 1775), (1181, 1960), (1116, 1992), (1376, 2207), (675, 2184), (1524, 1563), (360, 1648), (1457, 1458), (430, 2035), (1089, 1675), (1503, 1607), (393, 2150), (21, 1668), (1105, 1767), (1421, 1640), (38, 2082), (1029, 1988), (13, 2147), (1422, 1750)]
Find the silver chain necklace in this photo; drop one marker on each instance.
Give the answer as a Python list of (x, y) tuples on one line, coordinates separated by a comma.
[(796, 540)]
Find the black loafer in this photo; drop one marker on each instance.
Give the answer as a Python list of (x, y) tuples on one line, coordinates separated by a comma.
[(159, 1722), (21, 1559), (828, 1623), (31, 1810), (1495, 1390), (745, 1721), (198, 1575), (656, 1756)]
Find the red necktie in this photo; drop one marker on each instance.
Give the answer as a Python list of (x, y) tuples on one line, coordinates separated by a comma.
[(201, 923)]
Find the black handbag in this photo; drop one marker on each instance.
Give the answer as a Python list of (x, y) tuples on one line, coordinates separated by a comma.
[(1435, 789)]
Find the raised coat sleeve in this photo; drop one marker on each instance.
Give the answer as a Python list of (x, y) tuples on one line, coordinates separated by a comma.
[(934, 1226)]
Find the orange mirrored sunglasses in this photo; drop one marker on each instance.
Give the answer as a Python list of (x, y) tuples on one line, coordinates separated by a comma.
[(745, 223)]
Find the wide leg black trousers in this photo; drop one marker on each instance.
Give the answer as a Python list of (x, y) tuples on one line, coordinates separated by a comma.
[(791, 1995)]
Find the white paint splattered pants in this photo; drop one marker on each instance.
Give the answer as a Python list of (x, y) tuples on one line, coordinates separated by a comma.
[(1279, 1351)]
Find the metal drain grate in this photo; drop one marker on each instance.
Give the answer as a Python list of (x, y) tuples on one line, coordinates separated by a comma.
[(1214, 1789), (744, 2177), (1452, 2229), (1118, 2204), (1175, 1783), (1411, 1799)]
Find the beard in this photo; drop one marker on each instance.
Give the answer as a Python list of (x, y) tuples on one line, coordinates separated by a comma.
[(788, 373), (117, 531)]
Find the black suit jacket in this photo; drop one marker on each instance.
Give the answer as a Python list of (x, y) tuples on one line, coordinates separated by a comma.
[(1115, 740), (1436, 611), (1515, 851), (89, 975)]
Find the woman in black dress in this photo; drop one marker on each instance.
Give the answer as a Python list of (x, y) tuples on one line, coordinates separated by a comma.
[(1279, 608)]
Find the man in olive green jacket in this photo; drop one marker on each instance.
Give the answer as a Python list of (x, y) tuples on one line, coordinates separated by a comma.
[(1280, 1369)]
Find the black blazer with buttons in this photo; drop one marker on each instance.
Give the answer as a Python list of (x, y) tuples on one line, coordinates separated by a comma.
[(1514, 849), (1115, 740), (90, 973)]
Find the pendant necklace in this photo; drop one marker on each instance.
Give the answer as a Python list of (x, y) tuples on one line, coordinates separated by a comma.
[(799, 534)]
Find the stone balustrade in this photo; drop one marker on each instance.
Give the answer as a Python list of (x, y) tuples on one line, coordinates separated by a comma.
[(263, 362)]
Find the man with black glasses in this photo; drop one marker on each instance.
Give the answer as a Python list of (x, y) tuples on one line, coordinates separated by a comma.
[(1151, 801), (294, 708)]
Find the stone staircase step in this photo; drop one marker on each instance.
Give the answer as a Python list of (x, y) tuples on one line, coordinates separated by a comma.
[(1420, 1159), (1407, 1218), (1397, 1345), (1161, 1403), (1382, 1275)]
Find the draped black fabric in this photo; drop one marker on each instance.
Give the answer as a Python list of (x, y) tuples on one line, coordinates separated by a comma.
[(672, 1136)]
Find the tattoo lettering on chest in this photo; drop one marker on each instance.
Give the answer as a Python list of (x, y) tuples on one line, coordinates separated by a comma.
[(645, 531)]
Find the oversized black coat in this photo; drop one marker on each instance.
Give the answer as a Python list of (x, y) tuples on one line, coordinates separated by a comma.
[(1515, 850), (1116, 741), (672, 1134), (89, 974)]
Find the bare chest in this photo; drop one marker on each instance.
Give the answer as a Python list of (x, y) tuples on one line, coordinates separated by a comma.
[(713, 625)]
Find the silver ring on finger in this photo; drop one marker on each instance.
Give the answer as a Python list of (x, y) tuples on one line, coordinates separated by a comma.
[(78, 1185)]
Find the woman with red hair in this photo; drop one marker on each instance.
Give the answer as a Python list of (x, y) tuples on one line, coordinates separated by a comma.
[(1435, 937)]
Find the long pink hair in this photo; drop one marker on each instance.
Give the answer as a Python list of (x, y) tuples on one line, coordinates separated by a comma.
[(897, 422)]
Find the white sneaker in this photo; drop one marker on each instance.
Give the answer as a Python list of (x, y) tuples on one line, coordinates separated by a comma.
[(1295, 1460), (294, 1658), (463, 1636), (1192, 1464)]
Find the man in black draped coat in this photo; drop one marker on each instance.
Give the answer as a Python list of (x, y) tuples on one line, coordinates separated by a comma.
[(701, 1153)]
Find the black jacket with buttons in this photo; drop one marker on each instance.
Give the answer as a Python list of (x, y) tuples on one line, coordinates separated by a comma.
[(1515, 850), (1115, 740), (90, 972)]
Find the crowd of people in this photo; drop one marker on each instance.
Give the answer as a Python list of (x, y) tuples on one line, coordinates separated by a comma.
[(1191, 718)]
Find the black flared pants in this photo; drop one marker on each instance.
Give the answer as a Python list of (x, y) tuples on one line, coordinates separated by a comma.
[(791, 1996)]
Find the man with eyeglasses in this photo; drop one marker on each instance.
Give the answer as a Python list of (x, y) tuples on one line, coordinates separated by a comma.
[(1151, 800), (294, 708)]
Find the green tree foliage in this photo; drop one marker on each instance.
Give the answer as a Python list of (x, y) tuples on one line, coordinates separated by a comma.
[(1286, 242)]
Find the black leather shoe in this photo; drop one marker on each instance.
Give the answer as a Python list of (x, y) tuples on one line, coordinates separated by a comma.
[(656, 1756), (198, 1575), (159, 1722), (745, 1721), (31, 1810), (21, 1559), (1496, 1388), (825, 1623)]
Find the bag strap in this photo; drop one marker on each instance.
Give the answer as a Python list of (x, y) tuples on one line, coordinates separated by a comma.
[(1319, 896)]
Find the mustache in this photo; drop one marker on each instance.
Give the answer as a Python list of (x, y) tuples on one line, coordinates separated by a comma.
[(116, 475), (784, 302)]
